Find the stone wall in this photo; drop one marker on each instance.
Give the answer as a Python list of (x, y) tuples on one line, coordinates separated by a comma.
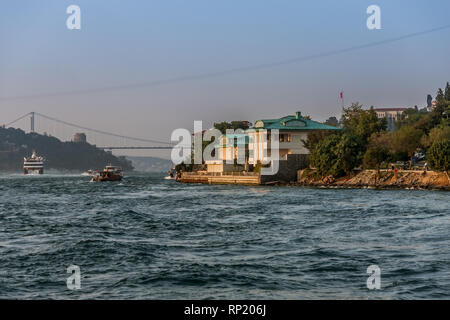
[(288, 169)]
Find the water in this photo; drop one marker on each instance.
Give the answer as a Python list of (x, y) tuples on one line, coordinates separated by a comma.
[(151, 238)]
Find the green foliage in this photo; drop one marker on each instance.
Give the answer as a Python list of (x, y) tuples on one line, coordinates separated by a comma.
[(336, 155), (378, 150), (407, 139), (439, 133), (438, 155), (332, 121), (424, 123), (421, 120), (447, 92), (257, 167), (223, 126), (315, 137), (374, 157), (364, 138), (440, 95), (349, 152), (442, 111), (362, 123), (323, 157)]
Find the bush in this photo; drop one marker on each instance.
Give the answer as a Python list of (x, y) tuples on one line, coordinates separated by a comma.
[(438, 155), (378, 150), (407, 140), (336, 155), (257, 167), (374, 157), (439, 133)]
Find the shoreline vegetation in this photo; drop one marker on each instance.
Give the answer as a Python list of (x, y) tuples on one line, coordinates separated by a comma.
[(365, 143)]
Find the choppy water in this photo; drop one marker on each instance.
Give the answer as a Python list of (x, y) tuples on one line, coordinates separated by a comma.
[(150, 238)]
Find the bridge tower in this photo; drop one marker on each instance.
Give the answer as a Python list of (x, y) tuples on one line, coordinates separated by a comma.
[(32, 122)]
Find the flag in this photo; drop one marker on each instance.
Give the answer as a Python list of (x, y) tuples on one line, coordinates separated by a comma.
[(341, 95)]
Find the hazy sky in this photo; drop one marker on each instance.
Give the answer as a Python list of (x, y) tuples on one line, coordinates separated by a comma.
[(131, 42)]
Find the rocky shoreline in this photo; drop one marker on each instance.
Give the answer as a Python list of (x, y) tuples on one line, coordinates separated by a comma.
[(385, 179)]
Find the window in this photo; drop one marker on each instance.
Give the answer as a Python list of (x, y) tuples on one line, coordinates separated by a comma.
[(285, 137)]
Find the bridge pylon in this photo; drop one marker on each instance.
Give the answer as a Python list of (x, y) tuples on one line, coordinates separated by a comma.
[(32, 122)]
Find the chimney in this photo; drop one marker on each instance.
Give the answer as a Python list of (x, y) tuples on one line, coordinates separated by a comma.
[(298, 115)]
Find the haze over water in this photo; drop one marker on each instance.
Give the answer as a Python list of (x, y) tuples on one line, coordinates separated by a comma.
[(151, 238)]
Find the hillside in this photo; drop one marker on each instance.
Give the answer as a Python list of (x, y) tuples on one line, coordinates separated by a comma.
[(15, 144), (150, 164)]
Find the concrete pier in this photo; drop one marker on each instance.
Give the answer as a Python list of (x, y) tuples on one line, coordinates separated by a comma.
[(245, 178)]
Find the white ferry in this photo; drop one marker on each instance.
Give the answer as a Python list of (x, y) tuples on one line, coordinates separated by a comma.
[(33, 164)]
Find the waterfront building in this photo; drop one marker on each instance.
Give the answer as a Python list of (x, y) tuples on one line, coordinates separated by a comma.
[(293, 130)]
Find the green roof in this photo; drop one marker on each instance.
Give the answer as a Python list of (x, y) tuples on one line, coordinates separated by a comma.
[(296, 122)]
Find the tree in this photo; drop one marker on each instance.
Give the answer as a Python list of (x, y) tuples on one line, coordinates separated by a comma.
[(424, 123), (438, 155), (442, 110), (447, 92), (332, 121), (336, 154), (374, 157), (322, 156), (378, 151), (407, 139), (440, 95), (315, 136), (223, 126), (439, 133), (239, 125), (349, 152), (362, 123)]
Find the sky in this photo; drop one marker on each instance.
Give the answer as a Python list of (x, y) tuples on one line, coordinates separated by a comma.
[(153, 55)]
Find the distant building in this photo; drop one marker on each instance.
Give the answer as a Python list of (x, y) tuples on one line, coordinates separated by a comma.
[(391, 114), (79, 138)]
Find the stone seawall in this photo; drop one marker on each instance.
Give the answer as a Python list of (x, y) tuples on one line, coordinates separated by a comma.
[(221, 179), (385, 179), (287, 171)]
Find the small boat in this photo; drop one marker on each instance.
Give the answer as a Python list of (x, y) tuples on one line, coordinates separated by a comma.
[(110, 173), (88, 173), (172, 173), (33, 164)]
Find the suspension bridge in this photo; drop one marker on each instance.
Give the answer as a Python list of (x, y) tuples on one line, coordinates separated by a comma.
[(35, 122)]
